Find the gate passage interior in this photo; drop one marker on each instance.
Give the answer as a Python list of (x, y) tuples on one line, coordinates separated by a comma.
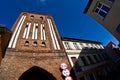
[(36, 73)]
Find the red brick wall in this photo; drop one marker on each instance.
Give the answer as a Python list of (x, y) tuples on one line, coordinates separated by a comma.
[(22, 58)]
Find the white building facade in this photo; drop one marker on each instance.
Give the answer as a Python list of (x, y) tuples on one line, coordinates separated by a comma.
[(85, 56)]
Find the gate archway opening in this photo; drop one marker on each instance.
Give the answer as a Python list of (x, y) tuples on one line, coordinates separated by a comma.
[(36, 73)]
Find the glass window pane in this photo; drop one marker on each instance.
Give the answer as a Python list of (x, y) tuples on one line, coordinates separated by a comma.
[(102, 14), (102, 10), (89, 58), (105, 8), (99, 5), (84, 60), (119, 44), (96, 10), (118, 28), (67, 45), (112, 1), (92, 77), (75, 45), (95, 57), (26, 43), (100, 57), (43, 44), (77, 67)]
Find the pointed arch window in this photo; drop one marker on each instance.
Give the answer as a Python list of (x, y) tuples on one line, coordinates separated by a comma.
[(26, 43), (26, 30), (35, 44), (43, 35), (32, 17), (35, 31), (43, 44), (41, 18)]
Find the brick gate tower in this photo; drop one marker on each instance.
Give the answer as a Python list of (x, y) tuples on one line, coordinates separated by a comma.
[(35, 50)]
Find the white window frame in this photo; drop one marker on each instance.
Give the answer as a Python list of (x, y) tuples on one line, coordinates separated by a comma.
[(100, 9), (76, 45), (67, 45)]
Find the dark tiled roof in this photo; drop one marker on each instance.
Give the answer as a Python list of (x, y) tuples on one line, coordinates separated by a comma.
[(4, 29), (77, 40)]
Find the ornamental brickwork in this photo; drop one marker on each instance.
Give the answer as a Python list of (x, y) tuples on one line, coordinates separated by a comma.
[(35, 50)]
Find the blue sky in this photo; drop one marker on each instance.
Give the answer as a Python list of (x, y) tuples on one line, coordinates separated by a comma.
[(68, 16)]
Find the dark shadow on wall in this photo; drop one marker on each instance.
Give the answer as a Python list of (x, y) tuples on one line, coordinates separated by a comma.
[(36, 73)]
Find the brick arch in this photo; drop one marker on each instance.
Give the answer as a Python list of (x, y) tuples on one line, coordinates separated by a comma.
[(36, 73)]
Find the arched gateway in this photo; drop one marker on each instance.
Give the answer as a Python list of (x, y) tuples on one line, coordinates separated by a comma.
[(35, 41), (36, 73)]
